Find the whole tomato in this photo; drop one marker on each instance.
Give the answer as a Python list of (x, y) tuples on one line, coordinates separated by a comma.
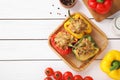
[(67, 76), (57, 75), (77, 77), (49, 71), (88, 78), (48, 78)]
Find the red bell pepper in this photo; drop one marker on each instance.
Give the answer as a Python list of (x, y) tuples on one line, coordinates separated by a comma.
[(100, 6), (58, 49)]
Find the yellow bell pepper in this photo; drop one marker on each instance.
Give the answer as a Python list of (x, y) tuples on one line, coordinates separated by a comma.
[(74, 17), (111, 64)]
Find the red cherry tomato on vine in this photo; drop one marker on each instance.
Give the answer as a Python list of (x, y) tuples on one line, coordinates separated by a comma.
[(49, 71), (48, 78), (77, 77), (88, 78), (67, 76), (57, 75)]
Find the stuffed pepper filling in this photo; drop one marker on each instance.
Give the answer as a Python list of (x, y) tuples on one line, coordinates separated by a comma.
[(85, 48), (77, 26), (64, 39)]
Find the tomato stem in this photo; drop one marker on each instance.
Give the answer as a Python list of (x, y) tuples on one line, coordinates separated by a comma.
[(100, 1)]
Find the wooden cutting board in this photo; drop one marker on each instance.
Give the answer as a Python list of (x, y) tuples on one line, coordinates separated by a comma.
[(100, 17)]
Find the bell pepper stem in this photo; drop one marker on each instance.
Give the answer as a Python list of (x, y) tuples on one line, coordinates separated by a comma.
[(100, 1), (70, 15), (115, 65)]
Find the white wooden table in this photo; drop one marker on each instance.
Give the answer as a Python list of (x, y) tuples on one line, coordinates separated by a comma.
[(24, 29)]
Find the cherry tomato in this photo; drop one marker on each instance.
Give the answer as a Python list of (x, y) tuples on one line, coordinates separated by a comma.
[(67, 76), (77, 77), (88, 78), (49, 71), (48, 78), (57, 75)]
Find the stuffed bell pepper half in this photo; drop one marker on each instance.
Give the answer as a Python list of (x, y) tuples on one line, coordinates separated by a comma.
[(77, 26), (85, 48), (61, 41)]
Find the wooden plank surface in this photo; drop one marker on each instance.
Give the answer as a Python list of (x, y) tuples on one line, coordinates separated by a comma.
[(41, 29), (25, 26), (34, 70), (35, 9), (37, 49)]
